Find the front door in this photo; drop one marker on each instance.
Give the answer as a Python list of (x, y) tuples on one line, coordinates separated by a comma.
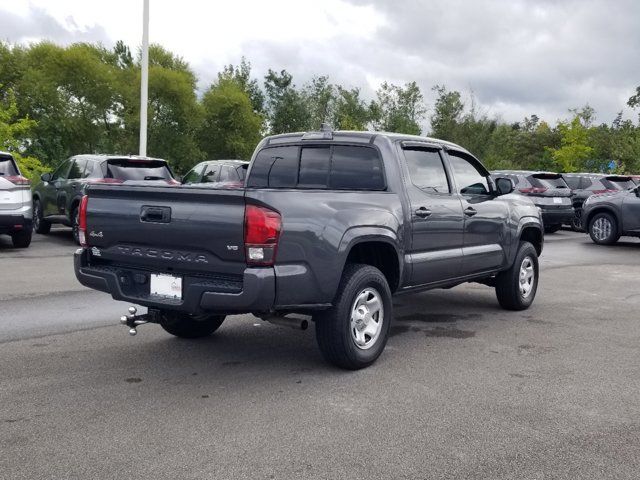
[(631, 211), (486, 216), (436, 218)]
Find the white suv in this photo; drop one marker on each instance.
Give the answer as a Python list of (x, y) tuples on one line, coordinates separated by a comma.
[(16, 206)]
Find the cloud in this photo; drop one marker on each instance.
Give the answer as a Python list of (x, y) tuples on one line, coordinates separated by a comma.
[(518, 57)]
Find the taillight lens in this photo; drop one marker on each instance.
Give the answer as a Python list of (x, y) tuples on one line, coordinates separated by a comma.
[(533, 190), (262, 228), (18, 180), (106, 180), (82, 221)]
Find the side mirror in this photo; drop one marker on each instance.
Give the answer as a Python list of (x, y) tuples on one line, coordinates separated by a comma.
[(46, 177), (504, 185)]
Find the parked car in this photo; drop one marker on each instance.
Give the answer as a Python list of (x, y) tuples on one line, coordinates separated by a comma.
[(218, 173), (583, 185), (548, 191), (16, 210), (608, 216), (57, 196), (329, 224)]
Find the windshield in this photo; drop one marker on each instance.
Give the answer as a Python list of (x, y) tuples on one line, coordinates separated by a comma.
[(126, 169), (7, 167)]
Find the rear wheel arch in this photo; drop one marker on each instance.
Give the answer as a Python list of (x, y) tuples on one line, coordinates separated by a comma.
[(380, 253)]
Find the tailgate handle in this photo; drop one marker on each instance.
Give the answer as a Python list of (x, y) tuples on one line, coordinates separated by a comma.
[(155, 214)]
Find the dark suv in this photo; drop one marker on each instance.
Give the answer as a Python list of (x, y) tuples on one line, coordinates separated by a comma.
[(57, 196), (583, 185), (608, 216), (548, 191)]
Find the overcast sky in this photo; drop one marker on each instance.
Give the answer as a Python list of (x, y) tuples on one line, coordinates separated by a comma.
[(518, 57)]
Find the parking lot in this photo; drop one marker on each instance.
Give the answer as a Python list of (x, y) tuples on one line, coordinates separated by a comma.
[(463, 390)]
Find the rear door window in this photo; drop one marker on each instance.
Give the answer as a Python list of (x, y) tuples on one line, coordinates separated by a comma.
[(228, 173), (275, 167), (7, 167), (426, 170), (128, 169)]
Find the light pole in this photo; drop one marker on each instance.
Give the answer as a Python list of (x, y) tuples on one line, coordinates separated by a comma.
[(144, 79)]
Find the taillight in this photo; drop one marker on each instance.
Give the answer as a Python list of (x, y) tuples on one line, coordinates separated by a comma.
[(82, 221), (262, 228), (172, 181), (608, 190), (18, 180), (533, 190)]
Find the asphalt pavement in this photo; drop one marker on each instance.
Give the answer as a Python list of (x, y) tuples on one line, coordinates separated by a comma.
[(463, 390)]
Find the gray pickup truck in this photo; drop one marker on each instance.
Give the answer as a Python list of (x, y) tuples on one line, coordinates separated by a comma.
[(328, 225)]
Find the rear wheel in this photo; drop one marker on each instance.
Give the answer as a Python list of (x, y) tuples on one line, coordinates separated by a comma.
[(576, 221), (603, 229), (552, 228), (40, 225), (353, 333), (184, 325), (516, 288), (21, 239)]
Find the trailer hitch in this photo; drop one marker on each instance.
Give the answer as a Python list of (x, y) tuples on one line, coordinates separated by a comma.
[(133, 321)]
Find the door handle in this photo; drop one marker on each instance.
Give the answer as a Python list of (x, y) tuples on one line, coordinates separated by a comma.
[(470, 212), (423, 212)]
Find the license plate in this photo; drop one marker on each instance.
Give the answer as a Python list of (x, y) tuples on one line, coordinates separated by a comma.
[(166, 286), (557, 200)]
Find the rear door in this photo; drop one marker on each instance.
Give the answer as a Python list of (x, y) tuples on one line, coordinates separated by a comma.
[(436, 217), (485, 215), (70, 188), (631, 211)]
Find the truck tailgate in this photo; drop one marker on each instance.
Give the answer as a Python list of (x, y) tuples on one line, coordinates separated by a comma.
[(167, 229)]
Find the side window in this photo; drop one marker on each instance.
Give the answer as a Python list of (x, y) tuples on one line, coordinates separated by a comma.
[(314, 167), (427, 170), (228, 174), (211, 173), (469, 179), (275, 167), (60, 173), (193, 175), (356, 168)]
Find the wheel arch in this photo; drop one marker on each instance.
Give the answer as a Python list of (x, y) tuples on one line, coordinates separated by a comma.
[(602, 209)]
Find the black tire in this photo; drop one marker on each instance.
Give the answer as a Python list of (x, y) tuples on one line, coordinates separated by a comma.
[(552, 228), (598, 231), (576, 221), (334, 331), (508, 287), (75, 225), (184, 325), (40, 225), (21, 239)]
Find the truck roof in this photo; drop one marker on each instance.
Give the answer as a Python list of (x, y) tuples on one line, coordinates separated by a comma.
[(358, 137)]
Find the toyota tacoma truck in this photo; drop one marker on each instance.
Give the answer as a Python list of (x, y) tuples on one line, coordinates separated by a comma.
[(329, 225)]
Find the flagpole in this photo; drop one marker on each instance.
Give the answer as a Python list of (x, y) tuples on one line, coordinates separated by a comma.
[(144, 79)]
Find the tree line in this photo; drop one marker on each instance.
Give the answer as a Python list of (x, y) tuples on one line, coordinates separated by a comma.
[(59, 101)]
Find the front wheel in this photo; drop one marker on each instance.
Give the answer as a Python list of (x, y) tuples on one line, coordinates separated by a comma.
[(184, 325), (40, 225), (353, 333), (603, 229), (516, 288)]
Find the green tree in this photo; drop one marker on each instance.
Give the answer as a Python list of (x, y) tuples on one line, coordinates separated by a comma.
[(231, 127), (14, 132), (399, 109), (286, 106), (320, 98), (574, 150), (241, 74), (447, 114), (351, 112)]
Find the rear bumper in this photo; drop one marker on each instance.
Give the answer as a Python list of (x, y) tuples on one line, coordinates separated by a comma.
[(14, 223), (254, 293), (557, 216)]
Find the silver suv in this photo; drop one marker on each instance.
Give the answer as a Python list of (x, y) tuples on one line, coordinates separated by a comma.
[(16, 209)]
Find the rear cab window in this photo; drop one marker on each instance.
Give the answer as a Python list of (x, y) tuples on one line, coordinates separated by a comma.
[(134, 169), (333, 167)]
